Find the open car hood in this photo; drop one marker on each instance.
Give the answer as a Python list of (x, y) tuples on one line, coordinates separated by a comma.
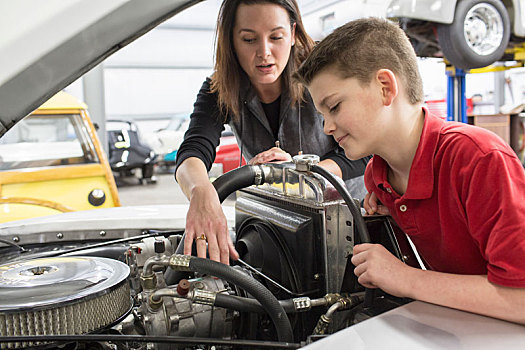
[(46, 45)]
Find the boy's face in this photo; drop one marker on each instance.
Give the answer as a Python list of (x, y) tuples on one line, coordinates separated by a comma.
[(351, 111)]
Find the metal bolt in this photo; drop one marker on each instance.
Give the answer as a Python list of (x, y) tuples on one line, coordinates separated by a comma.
[(406, 257), (102, 233), (348, 223), (303, 162), (16, 239), (199, 285), (317, 276), (60, 235)]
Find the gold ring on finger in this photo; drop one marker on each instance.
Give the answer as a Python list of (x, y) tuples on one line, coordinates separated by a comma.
[(203, 237)]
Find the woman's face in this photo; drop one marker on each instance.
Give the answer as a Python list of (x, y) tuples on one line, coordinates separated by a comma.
[(262, 39)]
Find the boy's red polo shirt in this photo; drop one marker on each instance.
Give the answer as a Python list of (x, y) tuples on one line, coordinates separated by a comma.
[(464, 207)]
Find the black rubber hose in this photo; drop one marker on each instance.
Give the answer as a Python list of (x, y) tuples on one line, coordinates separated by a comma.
[(225, 185), (238, 303), (248, 304), (116, 253), (253, 287), (359, 222), (237, 179)]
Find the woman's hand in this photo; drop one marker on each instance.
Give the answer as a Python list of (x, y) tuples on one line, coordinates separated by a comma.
[(206, 222), (373, 206), (274, 154)]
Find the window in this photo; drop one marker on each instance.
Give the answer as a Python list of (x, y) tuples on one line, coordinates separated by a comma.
[(47, 140)]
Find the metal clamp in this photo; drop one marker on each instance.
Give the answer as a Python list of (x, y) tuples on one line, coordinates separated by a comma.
[(302, 304), (179, 262), (258, 175), (203, 297)]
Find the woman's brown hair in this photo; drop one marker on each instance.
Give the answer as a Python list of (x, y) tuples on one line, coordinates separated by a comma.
[(226, 79)]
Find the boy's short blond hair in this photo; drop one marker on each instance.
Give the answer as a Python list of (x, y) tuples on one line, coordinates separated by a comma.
[(360, 48)]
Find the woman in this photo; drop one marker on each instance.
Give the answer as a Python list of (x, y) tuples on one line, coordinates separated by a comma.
[(259, 45)]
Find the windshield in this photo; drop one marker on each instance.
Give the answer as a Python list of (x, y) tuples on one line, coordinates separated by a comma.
[(46, 140)]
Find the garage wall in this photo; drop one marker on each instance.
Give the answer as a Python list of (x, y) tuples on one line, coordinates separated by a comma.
[(160, 74)]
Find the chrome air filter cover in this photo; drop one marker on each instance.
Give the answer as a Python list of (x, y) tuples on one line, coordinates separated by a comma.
[(62, 295)]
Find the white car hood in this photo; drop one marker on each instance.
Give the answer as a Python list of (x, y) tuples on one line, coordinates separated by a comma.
[(109, 223), (419, 325), (47, 44)]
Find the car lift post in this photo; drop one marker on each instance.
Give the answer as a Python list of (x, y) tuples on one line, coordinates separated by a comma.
[(456, 100)]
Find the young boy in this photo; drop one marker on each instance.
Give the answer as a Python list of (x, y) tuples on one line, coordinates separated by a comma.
[(457, 190)]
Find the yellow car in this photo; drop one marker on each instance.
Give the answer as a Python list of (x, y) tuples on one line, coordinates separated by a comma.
[(52, 162)]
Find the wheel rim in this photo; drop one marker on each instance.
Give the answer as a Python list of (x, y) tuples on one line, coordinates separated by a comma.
[(483, 29)]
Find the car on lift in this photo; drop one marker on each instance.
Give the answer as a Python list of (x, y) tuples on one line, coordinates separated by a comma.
[(468, 33), (166, 141), (52, 162), (110, 278)]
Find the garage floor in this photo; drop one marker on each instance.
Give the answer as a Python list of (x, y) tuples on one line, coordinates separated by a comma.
[(165, 191)]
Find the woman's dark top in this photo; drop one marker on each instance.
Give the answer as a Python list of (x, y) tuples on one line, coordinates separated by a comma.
[(272, 114), (297, 129)]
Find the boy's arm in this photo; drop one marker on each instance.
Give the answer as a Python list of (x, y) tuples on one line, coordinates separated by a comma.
[(331, 166), (376, 267)]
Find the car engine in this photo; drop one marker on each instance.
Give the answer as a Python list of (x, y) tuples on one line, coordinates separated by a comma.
[(293, 284)]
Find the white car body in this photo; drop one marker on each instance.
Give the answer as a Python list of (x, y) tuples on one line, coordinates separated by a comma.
[(443, 12), (168, 139), (45, 45), (468, 33)]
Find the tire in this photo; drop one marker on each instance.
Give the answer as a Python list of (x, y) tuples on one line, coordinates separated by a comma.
[(147, 171), (469, 41)]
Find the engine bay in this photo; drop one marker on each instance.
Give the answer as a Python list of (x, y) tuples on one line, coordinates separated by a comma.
[(293, 284)]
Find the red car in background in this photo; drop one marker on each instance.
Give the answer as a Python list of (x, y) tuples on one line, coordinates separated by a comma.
[(228, 152), (228, 155), (439, 107)]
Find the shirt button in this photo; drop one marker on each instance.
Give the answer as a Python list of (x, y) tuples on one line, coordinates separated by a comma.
[(403, 208), (389, 190)]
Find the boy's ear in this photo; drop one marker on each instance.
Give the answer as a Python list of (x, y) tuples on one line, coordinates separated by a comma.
[(389, 87)]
